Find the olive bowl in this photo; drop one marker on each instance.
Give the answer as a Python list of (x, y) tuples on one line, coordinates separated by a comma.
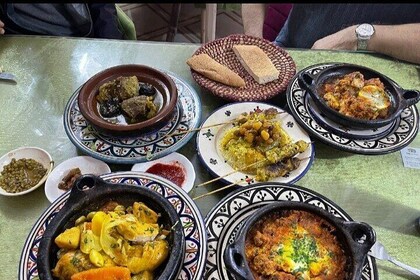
[(88, 194), (167, 95), (355, 238), (35, 153), (399, 97)]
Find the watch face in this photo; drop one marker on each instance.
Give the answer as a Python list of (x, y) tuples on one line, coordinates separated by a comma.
[(365, 30)]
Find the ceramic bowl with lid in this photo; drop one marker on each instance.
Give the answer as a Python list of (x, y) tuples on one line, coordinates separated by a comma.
[(165, 99)]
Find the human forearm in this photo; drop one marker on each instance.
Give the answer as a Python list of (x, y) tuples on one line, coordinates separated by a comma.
[(253, 19), (399, 41)]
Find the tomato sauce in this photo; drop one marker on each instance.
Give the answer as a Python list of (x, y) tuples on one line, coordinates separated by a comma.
[(173, 172)]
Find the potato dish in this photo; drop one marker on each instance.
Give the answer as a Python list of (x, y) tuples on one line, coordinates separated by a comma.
[(294, 245), (124, 243), (353, 96), (257, 144)]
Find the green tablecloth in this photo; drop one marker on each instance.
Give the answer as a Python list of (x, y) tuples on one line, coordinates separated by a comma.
[(377, 189)]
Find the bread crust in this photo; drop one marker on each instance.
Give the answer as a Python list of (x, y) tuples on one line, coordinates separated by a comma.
[(212, 69), (257, 63)]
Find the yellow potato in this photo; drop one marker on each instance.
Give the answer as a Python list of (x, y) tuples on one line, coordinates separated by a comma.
[(97, 221), (69, 239)]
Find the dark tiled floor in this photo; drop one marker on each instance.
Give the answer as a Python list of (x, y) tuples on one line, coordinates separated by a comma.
[(152, 22)]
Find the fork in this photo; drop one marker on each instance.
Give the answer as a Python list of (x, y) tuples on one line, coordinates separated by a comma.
[(378, 251)]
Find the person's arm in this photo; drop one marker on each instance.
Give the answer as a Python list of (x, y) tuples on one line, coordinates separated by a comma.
[(398, 41), (1, 28), (253, 19)]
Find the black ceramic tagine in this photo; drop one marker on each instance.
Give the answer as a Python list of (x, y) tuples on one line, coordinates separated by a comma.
[(356, 239), (399, 97), (88, 194)]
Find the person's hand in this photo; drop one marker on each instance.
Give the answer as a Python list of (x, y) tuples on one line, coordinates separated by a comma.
[(344, 39), (1, 28)]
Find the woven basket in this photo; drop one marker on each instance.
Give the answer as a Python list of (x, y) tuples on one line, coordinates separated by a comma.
[(221, 51)]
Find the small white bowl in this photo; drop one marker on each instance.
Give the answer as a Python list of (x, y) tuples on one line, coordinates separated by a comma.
[(86, 164), (38, 154), (172, 158)]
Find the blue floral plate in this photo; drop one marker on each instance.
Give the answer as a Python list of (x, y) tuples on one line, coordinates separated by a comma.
[(147, 146), (191, 218)]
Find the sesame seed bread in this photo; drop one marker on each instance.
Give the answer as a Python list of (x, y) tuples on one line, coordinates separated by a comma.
[(256, 63), (212, 69)]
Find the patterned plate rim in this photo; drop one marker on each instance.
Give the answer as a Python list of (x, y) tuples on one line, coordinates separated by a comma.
[(197, 270), (132, 160), (224, 179), (218, 88), (251, 191), (350, 145)]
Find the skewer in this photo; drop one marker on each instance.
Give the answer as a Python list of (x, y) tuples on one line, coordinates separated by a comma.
[(230, 173), (204, 127), (225, 187), (215, 191), (199, 128), (234, 171)]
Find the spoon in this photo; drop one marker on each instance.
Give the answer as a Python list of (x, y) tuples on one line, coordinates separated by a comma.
[(378, 251)]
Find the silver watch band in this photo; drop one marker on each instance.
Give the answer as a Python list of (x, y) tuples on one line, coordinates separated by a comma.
[(361, 44)]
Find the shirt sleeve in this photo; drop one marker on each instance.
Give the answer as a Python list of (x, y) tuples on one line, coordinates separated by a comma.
[(105, 21)]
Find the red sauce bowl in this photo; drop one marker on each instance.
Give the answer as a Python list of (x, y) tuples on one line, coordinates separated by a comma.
[(173, 167)]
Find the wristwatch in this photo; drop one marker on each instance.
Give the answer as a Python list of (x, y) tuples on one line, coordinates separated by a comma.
[(363, 33)]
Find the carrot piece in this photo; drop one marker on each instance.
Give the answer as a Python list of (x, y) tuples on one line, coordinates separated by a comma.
[(103, 273)]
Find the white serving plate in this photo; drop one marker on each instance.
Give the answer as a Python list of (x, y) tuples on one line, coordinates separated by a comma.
[(86, 164), (172, 158), (38, 154), (208, 142)]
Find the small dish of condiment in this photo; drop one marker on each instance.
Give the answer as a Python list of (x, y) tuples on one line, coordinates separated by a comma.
[(173, 167), (24, 170), (65, 174)]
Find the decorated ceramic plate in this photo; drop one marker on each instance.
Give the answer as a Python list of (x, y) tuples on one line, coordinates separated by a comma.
[(225, 219), (208, 143), (397, 138), (194, 228), (221, 51), (349, 132), (86, 165), (147, 146)]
